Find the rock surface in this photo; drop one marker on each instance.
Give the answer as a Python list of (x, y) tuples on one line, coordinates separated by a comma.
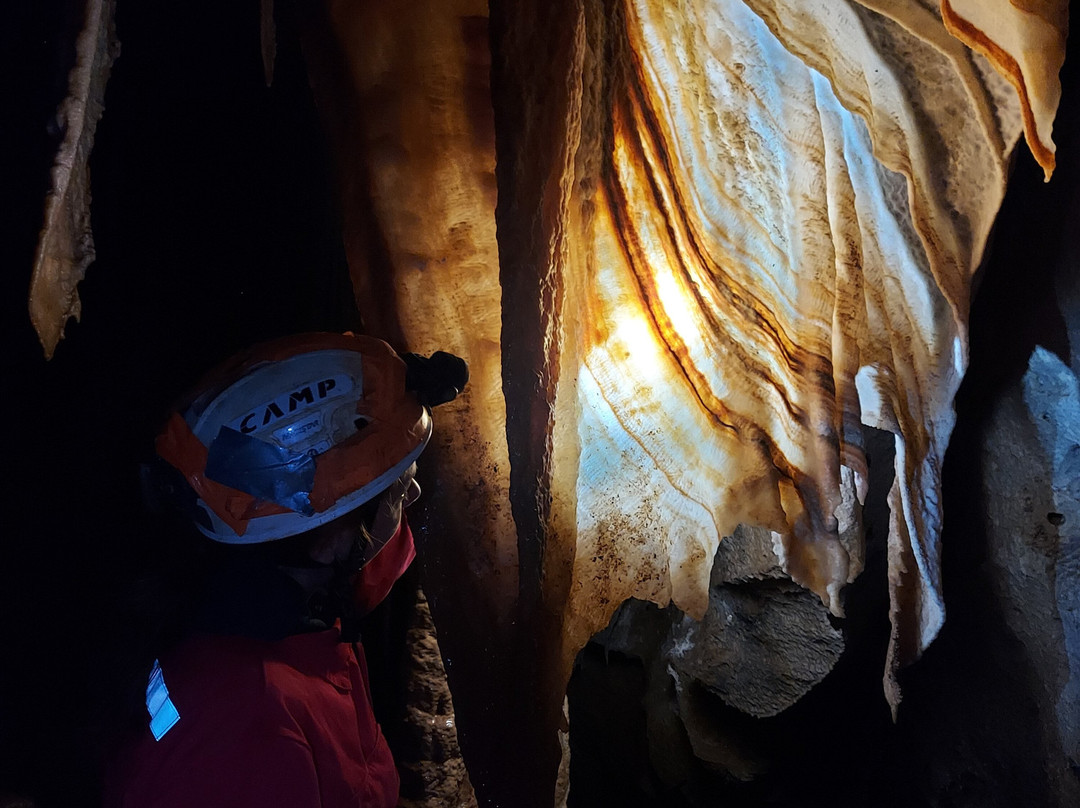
[(763, 644), (1032, 495), (432, 770), (760, 647)]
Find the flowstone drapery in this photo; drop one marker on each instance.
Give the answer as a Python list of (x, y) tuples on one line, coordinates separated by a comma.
[(729, 235)]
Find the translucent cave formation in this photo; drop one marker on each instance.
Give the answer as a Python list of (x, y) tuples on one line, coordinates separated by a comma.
[(689, 248)]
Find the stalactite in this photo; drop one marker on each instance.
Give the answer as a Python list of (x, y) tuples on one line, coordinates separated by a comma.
[(66, 244)]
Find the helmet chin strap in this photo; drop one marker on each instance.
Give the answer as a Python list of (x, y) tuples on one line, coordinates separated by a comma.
[(312, 574), (328, 587)]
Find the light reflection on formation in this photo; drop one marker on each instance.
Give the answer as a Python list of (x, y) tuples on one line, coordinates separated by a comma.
[(763, 273)]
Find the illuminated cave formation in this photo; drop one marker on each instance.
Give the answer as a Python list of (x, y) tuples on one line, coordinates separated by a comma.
[(690, 249)]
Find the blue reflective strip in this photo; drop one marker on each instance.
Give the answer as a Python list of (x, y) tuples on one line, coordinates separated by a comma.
[(262, 469), (163, 713), (165, 720), (156, 692)]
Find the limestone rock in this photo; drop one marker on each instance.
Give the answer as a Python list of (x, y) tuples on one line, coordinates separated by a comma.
[(431, 767), (760, 647), (723, 749), (1032, 493), (763, 643), (748, 554)]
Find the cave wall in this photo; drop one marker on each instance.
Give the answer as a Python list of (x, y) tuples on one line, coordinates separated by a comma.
[(603, 114), (214, 201)]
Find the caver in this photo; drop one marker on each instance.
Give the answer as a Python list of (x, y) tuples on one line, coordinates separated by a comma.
[(297, 460)]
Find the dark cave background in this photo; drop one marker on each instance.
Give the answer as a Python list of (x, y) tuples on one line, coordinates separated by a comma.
[(216, 226)]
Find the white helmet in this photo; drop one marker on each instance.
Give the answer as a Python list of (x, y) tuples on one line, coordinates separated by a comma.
[(294, 433)]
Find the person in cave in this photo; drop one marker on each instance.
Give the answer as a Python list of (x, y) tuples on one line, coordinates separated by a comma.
[(295, 461)]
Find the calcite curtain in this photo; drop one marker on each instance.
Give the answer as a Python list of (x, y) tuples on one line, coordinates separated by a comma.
[(689, 248)]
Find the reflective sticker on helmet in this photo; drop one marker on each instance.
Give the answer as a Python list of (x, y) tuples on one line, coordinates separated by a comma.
[(301, 430), (290, 404), (262, 469)]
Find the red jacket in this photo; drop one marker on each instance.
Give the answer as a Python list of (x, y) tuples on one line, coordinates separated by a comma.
[(262, 723)]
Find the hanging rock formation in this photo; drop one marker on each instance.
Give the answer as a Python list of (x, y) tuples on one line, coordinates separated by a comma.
[(1025, 41), (66, 245)]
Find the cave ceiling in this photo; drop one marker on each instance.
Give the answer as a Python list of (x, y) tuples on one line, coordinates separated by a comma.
[(690, 249)]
